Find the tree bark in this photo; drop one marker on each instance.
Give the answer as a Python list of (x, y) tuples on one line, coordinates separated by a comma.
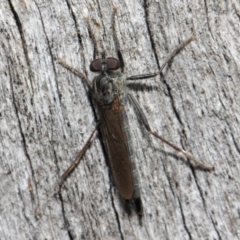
[(46, 117)]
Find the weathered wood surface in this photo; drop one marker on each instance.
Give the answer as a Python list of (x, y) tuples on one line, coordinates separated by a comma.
[(46, 117)]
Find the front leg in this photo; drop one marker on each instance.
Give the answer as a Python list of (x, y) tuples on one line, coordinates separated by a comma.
[(77, 73), (168, 59), (116, 41)]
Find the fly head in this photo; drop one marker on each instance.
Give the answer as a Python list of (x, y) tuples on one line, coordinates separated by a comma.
[(109, 83)]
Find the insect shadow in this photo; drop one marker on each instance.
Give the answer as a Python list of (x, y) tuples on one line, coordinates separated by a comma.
[(109, 94)]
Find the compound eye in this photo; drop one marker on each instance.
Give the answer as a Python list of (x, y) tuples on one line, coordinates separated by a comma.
[(96, 65), (112, 63)]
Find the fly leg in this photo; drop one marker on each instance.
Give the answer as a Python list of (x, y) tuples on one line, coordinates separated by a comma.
[(167, 60), (78, 73), (71, 168), (177, 148), (84, 79), (116, 41)]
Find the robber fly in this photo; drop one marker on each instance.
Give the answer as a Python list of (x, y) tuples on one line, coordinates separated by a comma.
[(109, 94)]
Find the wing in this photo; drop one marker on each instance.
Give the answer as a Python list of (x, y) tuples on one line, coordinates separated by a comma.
[(113, 130)]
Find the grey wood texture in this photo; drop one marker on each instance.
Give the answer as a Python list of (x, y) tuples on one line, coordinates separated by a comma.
[(46, 117)]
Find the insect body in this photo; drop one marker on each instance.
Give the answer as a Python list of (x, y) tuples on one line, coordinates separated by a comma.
[(110, 96)]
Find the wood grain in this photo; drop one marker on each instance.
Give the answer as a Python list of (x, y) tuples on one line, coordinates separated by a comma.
[(46, 116)]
